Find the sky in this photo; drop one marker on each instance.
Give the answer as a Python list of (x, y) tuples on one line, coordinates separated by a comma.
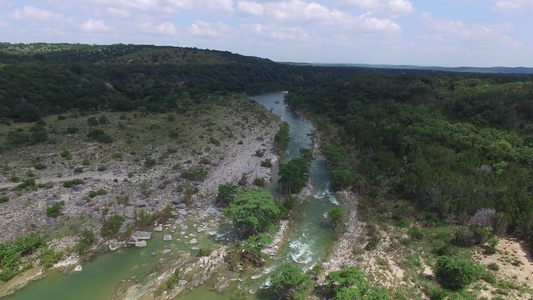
[(449, 33)]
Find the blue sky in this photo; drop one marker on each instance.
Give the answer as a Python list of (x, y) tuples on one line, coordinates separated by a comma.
[(415, 32)]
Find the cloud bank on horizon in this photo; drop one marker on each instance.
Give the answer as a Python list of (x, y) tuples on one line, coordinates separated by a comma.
[(415, 32)]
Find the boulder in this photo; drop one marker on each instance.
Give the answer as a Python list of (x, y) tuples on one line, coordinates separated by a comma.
[(158, 228), (142, 235), (49, 220), (182, 212), (167, 237), (193, 241), (79, 187), (181, 206), (128, 213), (140, 203), (81, 202), (212, 211), (162, 185), (140, 244), (178, 199), (78, 268)]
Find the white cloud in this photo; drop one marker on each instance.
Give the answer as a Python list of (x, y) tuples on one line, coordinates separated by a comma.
[(250, 8), (34, 14), (280, 33), (166, 28), (482, 34), (401, 6), (95, 25), (207, 29), (118, 12), (186, 4), (372, 23), (512, 6)]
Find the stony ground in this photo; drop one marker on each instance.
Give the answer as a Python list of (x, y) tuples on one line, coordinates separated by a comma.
[(224, 139)]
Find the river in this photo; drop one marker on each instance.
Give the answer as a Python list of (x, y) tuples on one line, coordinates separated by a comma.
[(307, 244)]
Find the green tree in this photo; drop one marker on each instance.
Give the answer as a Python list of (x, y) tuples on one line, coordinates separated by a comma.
[(290, 282), (350, 283), (456, 273), (336, 216), (111, 226), (294, 175), (282, 137), (226, 193), (92, 121), (253, 211)]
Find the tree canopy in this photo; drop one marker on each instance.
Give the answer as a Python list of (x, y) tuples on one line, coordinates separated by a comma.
[(253, 211)]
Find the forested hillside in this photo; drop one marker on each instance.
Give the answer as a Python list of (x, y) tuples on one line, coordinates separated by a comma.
[(41, 79), (458, 146)]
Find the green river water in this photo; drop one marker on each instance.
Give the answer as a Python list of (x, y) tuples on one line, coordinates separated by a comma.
[(307, 243)]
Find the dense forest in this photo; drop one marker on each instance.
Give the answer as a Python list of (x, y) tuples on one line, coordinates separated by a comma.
[(41, 79), (457, 146)]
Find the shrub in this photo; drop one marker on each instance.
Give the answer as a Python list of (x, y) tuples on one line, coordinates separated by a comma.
[(149, 162), (493, 267), (78, 170), (86, 240), (111, 226), (260, 182), (55, 210), (195, 174), (4, 199), (101, 168), (415, 234), (85, 162), (290, 281), (456, 273), (65, 154), (50, 257), (100, 192), (267, 163), (70, 183), (99, 135), (39, 166), (72, 130)]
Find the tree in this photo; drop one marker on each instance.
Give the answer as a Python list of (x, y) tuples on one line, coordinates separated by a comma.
[(294, 175), (111, 226), (307, 154), (226, 193), (336, 216), (253, 211), (290, 282), (350, 283), (92, 121), (456, 273), (282, 137)]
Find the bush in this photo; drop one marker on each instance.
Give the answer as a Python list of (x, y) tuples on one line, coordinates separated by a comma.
[(39, 166), (267, 163), (149, 162), (195, 174), (65, 154), (78, 170), (260, 182), (111, 226), (70, 183), (415, 234), (100, 192), (290, 281), (99, 135), (55, 210), (4, 199), (456, 273), (72, 130), (101, 168), (86, 240)]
